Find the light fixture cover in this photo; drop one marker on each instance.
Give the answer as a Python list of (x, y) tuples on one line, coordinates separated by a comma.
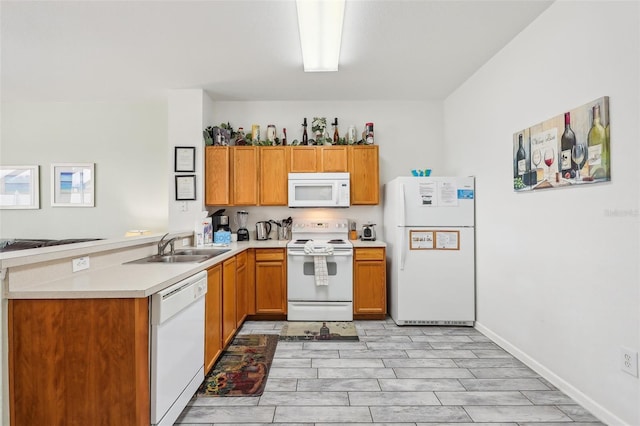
[(320, 25)]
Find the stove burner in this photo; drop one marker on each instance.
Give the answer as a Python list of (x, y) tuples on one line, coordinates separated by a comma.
[(336, 242), (301, 241)]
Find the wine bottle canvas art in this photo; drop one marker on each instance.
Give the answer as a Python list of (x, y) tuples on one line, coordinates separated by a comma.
[(569, 150)]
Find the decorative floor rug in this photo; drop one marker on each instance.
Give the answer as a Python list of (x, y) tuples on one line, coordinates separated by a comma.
[(322, 330), (243, 367)]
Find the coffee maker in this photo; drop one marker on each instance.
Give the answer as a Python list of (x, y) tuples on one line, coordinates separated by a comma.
[(242, 217), (219, 221)]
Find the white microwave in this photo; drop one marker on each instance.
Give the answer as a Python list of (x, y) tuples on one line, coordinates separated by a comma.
[(319, 190)]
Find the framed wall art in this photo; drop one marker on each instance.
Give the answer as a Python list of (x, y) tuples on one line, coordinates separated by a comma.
[(569, 150), (185, 188), (72, 185), (19, 187), (185, 159)]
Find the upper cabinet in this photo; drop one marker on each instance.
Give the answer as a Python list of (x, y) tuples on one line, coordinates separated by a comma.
[(304, 159), (365, 174), (311, 159), (257, 175), (274, 175), (245, 175), (333, 159), (217, 166)]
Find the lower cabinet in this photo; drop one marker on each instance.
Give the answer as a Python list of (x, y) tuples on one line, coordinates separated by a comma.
[(271, 281), (229, 321), (79, 362), (213, 318), (242, 288), (369, 283)]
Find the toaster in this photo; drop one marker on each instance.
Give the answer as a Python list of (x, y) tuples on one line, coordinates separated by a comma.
[(368, 232)]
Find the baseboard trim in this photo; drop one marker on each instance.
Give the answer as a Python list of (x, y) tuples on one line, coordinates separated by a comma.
[(594, 408)]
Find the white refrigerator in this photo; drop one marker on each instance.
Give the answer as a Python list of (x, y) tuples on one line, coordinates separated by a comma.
[(429, 228)]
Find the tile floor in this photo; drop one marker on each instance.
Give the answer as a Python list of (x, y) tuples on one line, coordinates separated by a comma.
[(394, 376)]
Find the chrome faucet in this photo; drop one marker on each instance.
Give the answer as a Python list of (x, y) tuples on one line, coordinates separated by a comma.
[(162, 245)]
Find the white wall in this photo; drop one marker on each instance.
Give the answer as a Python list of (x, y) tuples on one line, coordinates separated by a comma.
[(126, 141), (557, 270), (409, 135)]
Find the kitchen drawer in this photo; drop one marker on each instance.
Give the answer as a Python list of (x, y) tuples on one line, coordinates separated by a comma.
[(369, 254), (266, 255), (241, 260)]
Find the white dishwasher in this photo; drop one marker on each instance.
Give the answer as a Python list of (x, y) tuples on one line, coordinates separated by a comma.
[(177, 347)]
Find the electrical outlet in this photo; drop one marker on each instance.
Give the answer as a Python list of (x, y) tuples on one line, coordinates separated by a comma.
[(185, 242), (629, 361), (80, 263), (183, 206)]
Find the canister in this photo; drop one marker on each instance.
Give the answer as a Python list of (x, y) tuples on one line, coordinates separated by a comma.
[(255, 132)]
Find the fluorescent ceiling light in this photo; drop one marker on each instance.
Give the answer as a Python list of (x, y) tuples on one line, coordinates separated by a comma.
[(320, 24)]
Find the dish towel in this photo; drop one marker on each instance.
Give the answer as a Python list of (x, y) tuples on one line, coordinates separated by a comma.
[(320, 253)]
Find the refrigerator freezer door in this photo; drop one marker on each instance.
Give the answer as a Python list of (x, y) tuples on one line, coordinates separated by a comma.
[(432, 201), (433, 286)]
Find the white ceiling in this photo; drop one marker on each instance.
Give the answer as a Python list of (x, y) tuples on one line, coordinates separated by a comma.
[(247, 50)]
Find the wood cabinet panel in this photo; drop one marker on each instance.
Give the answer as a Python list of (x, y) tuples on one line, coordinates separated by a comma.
[(217, 168), (369, 282), (229, 324), (79, 362), (274, 170), (242, 288), (245, 175), (365, 175), (304, 159), (271, 281), (333, 159), (213, 317)]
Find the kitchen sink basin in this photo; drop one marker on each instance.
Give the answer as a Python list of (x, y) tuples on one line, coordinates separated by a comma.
[(197, 252), (182, 256)]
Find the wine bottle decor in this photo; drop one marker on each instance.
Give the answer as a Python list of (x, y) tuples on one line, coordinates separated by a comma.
[(566, 151)]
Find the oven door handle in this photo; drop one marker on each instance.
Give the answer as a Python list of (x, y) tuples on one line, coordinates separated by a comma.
[(335, 253)]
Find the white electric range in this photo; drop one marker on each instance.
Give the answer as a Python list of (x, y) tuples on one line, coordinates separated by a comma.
[(330, 296)]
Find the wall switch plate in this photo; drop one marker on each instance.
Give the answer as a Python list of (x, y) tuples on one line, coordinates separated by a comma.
[(629, 361), (80, 263)]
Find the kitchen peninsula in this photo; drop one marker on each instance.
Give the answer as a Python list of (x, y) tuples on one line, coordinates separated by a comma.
[(78, 343)]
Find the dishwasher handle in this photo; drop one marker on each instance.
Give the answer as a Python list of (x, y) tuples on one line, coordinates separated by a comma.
[(170, 301)]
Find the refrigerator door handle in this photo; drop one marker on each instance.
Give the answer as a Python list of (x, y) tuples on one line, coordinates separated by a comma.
[(402, 219), (401, 207), (401, 252)]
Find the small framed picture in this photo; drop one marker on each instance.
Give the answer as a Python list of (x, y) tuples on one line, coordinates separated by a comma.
[(72, 185), (19, 187), (185, 187), (185, 159)]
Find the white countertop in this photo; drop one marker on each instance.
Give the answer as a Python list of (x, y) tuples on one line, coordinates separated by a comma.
[(119, 280)]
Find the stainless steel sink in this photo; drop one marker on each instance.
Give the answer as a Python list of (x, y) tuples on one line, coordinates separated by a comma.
[(182, 256), (195, 251)]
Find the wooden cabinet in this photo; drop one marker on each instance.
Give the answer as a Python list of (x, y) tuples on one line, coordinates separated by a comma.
[(79, 362), (274, 162), (309, 159), (365, 175), (271, 281), (229, 324), (245, 175), (333, 159), (213, 317), (253, 175), (217, 169), (304, 159), (241, 288), (369, 283)]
